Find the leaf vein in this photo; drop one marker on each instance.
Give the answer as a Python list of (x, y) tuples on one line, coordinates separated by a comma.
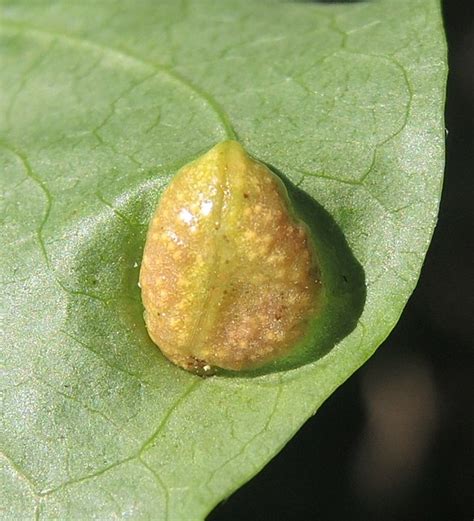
[(211, 102)]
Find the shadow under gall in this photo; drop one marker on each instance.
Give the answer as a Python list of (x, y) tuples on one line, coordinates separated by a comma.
[(343, 281)]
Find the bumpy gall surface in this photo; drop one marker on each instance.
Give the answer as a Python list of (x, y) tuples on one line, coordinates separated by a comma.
[(229, 276)]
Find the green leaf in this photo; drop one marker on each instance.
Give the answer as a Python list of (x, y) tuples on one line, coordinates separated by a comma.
[(101, 102)]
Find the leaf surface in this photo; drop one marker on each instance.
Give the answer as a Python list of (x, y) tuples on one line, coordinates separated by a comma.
[(100, 104)]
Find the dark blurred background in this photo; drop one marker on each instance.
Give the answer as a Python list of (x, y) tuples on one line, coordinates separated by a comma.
[(394, 443)]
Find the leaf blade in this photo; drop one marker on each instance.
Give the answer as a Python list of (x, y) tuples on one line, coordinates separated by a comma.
[(96, 421)]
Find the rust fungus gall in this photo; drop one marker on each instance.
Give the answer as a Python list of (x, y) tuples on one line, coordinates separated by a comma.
[(229, 278)]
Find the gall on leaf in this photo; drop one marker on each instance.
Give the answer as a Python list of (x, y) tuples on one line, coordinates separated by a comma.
[(229, 277)]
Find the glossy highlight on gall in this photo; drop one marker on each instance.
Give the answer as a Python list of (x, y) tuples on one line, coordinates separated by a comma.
[(229, 277)]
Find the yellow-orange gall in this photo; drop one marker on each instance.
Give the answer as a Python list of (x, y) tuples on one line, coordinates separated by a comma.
[(231, 279)]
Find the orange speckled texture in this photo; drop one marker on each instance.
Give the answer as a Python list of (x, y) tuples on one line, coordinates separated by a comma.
[(229, 277)]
